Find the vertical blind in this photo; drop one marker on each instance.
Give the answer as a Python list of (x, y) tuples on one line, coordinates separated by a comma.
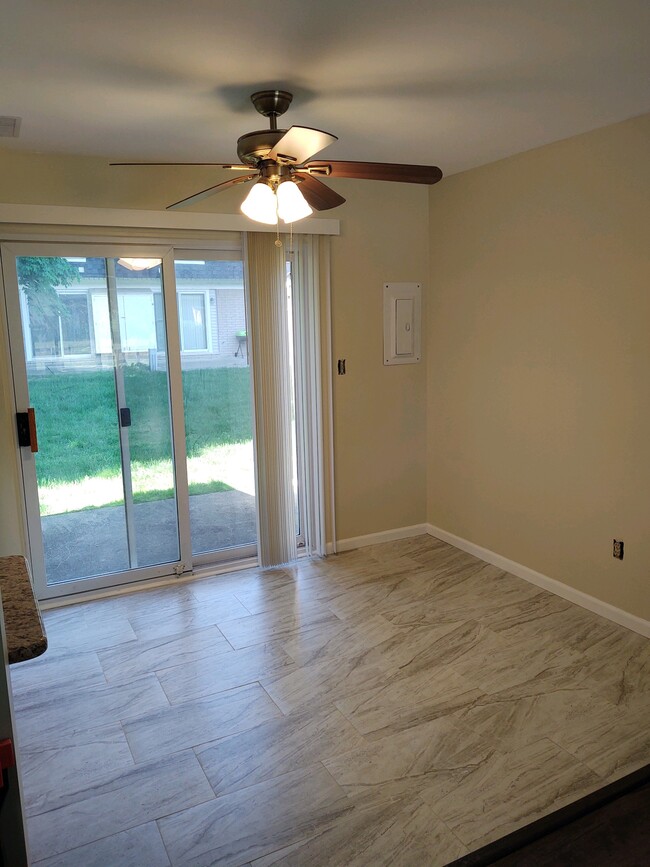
[(271, 366), (310, 275)]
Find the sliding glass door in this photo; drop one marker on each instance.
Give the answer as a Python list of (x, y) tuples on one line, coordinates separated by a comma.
[(133, 377), (216, 377)]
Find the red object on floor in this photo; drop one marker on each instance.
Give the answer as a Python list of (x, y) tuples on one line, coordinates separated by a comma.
[(7, 757)]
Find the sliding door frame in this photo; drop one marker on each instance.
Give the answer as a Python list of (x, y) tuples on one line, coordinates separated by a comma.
[(166, 244), (223, 253), (9, 252)]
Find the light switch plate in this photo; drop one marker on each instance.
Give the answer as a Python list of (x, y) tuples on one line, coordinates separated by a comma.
[(402, 316)]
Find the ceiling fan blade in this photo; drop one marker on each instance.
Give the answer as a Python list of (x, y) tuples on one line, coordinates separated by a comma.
[(299, 143), (236, 168), (406, 174), (210, 191), (318, 195)]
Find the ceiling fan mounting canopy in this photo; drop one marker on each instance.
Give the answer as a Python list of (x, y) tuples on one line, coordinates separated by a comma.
[(271, 103), (274, 156)]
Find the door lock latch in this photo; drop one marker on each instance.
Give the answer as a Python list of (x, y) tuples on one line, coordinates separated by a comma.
[(26, 427)]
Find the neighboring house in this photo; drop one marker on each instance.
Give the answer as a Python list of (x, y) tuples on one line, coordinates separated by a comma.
[(211, 318)]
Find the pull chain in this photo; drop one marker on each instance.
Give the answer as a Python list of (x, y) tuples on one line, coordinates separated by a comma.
[(278, 242)]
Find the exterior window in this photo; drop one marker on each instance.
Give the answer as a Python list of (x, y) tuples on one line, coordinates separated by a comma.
[(159, 316), (67, 333), (45, 333), (191, 313), (137, 321), (75, 327)]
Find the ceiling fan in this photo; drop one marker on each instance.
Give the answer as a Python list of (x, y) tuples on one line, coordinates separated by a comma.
[(288, 184)]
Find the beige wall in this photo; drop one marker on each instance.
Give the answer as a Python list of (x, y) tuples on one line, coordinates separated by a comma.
[(380, 415), (379, 429), (538, 373)]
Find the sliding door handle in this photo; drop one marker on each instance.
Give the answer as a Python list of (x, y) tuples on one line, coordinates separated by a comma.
[(26, 426)]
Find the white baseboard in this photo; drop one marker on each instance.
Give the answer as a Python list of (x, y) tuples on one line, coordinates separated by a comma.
[(597, 606), (377, 538)]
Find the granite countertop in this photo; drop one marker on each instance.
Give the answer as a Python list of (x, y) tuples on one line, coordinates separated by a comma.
[(24, 628)]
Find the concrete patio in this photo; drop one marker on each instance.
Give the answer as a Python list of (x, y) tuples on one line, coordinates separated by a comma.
[(93, 542)]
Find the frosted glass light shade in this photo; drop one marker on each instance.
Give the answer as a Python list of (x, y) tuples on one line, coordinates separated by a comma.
[(260, 204), (135, 264), (292, 205)]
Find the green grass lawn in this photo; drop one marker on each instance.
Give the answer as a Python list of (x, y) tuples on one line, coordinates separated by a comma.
[(78, 433)]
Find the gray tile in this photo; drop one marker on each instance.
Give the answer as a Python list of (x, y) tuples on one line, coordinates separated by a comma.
[(511, 790), (528, 667), (174, 616), (282, 595), (170, 729), (137, 847), (320, 682), (465, 645), (533, 620), (394, 834), (260, 628), (578, 718), (85, 627), (132, 797), (343, 638), (405, 702), (57, 676), (606, 738), (434, 756), (68, 670), (54, 776), (49, 717), (272, 747), (218, 672), (618, 666), (278, 812), (507, 719), (375, 598), (208, 589), (475, 593), (439, 570), (129, 661)]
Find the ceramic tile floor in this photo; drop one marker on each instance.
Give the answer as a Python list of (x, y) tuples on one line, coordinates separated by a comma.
[(401, 704)]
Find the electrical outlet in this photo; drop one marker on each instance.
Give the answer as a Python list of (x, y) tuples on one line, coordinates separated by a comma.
[(617, 549)]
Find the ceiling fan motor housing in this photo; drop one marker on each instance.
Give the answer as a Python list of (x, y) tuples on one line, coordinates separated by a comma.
[(253, 147)]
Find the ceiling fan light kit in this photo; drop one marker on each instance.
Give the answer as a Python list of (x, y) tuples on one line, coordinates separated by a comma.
[(287, 185), (260, 204), (292, 205)]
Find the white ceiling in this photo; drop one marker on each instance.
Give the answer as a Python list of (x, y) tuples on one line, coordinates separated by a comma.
[(456, 83)]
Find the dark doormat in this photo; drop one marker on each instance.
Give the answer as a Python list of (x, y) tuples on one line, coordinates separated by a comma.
[(608, 827)]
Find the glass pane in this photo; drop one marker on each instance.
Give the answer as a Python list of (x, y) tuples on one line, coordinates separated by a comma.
[(75, 324), (147, 439), (78, 465), (106, 491), (42, 334), (192, 321), (159, 314), (217, 400)]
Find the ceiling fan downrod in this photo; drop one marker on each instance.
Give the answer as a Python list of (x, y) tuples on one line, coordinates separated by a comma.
[(272, 104)]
